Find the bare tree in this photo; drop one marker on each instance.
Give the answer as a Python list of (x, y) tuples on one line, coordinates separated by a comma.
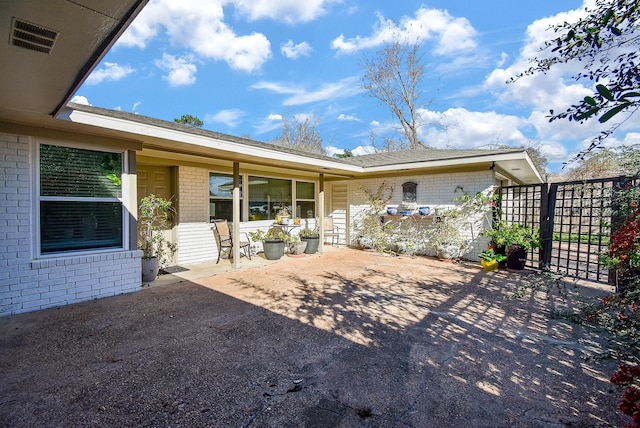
[(394, 76), (300, 135)]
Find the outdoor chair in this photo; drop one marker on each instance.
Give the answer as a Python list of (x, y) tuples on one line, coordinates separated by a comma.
[(224, 240), (330, 230)]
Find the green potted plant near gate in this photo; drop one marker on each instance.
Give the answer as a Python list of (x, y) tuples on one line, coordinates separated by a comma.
[(154, 220), (272, 242), (312, 238), (490, 260), (517, 239)]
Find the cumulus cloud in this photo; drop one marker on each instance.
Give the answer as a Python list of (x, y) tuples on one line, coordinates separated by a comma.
[(204, 32), (230, 117), (346, 87), (452, 35), (181, 70), (109, 72), (292, 51), (363, 150), (289, 11), (80, 99)]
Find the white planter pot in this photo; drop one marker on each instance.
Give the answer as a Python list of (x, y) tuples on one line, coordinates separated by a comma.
[(150, 268)]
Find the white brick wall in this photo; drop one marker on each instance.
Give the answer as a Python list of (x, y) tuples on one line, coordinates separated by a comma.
[(27, 284), (434, 191)]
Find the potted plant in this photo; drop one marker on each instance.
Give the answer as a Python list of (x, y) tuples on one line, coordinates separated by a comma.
[(490, 260), (272, 242), (517, 239), (312, 238), (154, 220), (445, 238), (296, 245)]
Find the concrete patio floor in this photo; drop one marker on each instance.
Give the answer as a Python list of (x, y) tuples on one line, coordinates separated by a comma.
[(340, 339)]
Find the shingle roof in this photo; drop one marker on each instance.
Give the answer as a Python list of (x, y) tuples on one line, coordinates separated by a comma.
[(422, 155)]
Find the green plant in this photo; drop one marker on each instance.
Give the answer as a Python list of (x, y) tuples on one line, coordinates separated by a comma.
[(309, 233), (445, 232), (490, 255), (274, 234), (154, 219), (504, 234)]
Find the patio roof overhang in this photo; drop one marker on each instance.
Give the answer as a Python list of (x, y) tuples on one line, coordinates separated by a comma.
[(50, 47), (160, 139)]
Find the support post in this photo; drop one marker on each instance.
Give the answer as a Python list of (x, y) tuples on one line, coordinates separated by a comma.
[(321, 214), (235, 233)]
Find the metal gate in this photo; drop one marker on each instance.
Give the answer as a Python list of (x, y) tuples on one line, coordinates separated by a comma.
[(574, 219)]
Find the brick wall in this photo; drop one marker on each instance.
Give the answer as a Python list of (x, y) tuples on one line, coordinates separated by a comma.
[(434, 191), (27, 284)]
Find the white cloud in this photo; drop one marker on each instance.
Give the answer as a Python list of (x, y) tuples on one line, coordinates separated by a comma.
[(109, 72), (198, 25), (460, 128), (363, 150), (292, 51), (136, 105), (346, 87), (80, 99), (348, 117), (289, 11), (181, 70), (332, 151), (230, 117), (452, 35), (270, 123)]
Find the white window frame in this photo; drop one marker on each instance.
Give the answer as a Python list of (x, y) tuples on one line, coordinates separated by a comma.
[(38, 198)]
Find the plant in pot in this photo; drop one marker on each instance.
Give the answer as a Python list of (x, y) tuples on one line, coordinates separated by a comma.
[(445, 238), (312, 238), (272, 242), (296, 245), (517, 239), (490, 260), (154, 220)]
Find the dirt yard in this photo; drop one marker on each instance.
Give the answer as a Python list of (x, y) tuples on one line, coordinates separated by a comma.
[(344, 339)]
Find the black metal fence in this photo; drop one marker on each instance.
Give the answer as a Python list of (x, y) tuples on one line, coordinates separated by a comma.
[(575, 221)]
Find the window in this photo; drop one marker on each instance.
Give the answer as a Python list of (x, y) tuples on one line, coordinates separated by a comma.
[(79, 199), (221, 196), (267, 196), (305, 199)]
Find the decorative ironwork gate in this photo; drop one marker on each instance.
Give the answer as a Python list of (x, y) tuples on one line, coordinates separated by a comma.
[(574, 219)]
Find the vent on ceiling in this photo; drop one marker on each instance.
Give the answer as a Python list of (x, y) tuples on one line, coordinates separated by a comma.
[(32, 36)]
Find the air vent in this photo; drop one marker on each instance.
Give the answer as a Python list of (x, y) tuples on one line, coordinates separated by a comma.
[(32, 36)]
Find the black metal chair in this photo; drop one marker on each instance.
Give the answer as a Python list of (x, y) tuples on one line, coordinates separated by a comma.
[(224, 240)]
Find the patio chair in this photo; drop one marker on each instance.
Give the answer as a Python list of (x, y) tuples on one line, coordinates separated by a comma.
[(330, 230), (224, 240)]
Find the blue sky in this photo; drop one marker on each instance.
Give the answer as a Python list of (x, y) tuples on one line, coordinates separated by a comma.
[(240, 65)]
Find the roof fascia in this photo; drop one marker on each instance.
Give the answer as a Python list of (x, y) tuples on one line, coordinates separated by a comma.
[(449, 162)]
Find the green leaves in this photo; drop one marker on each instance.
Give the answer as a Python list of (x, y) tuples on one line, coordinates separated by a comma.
[(606, 93)]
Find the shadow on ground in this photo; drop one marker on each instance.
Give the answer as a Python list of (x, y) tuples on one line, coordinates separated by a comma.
[(347, 338)]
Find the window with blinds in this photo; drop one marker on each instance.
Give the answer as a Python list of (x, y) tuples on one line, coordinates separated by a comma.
[(80, 199)]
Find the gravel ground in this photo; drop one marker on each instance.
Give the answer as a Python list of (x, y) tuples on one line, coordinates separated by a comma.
[(344, 339)]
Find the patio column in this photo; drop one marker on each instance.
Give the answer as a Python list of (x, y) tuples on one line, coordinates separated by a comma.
[(235, 233), (321, 214)]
